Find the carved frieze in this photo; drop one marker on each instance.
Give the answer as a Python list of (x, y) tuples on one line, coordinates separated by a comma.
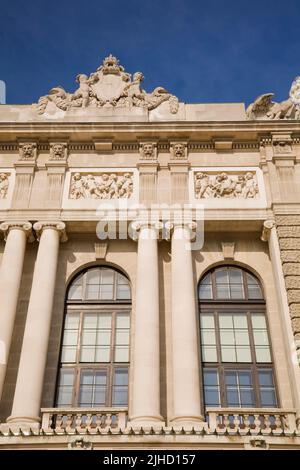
[(101, 186), (225, 185), (4, 185), (110, 86)]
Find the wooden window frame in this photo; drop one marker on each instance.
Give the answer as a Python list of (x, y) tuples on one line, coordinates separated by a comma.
[(234, 306), (82, 307)]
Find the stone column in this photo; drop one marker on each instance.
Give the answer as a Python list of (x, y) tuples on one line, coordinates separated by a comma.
[(15, 234), (145, 404), (185, 345), (27, 399)]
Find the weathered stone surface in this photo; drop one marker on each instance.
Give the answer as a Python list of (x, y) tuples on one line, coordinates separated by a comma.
[(296, 325), (292, 256), (285, 232), (288, 220), (292, 282), (295, 310), (289, 243), (294, 295), (291, 269)]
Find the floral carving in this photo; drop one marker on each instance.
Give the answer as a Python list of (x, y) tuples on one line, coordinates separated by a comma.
[(222, 185), (264, 108), (27, 151), (3, 185), (58, 151), (104, 186), (109, 86)]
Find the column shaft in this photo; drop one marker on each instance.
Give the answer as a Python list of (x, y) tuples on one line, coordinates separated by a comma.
[(27, 399), (10, 280), (186, 383), (146, 375)]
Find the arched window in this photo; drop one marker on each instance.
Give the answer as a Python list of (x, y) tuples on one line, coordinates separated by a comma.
[(236, 352), (94, 356)]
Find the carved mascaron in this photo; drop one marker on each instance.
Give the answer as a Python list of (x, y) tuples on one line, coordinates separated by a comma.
[(223, 185), (101, 186), (4, 184), (110, 86), (264, 108)]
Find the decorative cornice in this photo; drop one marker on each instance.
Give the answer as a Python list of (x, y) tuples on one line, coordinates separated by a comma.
[(6, 227), (59, 226)]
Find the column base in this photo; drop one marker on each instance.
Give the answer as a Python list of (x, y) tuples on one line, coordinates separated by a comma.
[(22, 422), (146, 421), (186, 421)]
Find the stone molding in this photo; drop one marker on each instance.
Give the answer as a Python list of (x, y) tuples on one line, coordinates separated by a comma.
[(28, 151), (58, 151)]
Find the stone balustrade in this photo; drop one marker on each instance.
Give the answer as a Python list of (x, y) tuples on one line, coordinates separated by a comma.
[(267, 421), (79, 419)]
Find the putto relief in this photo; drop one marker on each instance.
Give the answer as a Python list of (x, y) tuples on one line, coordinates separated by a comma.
[(4, 184), (224, 185), (101, 186), (109, 87)]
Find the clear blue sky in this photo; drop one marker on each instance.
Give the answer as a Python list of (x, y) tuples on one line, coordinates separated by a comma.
[(202, 51)]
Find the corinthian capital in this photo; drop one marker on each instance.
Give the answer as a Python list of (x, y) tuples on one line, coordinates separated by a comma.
[(59, 226), (6, 227)]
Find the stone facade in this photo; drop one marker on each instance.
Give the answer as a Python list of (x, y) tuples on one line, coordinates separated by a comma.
[(181, 189)]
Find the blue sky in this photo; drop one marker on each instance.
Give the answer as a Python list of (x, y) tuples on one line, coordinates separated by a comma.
[(202, 51)]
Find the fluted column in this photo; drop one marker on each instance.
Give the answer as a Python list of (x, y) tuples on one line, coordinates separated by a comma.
[(185, 348), (27, 399), (145, 407), (15, 234)]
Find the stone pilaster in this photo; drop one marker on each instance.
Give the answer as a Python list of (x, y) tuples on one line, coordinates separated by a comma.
[(148, 166), (179, 169)]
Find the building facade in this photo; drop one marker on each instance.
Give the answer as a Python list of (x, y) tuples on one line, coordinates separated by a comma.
[(150, 270)]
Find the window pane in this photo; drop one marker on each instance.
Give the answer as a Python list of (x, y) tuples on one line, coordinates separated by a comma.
[(102, 354), (240, 321), (227, 337), (223, 291), (222, 276), (211, 387), (107, 276), (75, 291), (92, 391), (228, 354), (68, 354), (122, 337), (89, 337), (225, 321), (205, 292), (258, 321), (106, 292), (241, 337), (235, 276), (247, 398), (254, 290), (93, 276), (233, 398), (123, 321), (120, 388), (208, 337), (92, 292), (261, 337), (89, 320), (207, 321), (104, 320), (243, 354), (123, 292), (65, 387), (266, 378), (231, 378), (121, 354), (237, 291), (268, 398), (103, 337), (206, 279), (209, 353), (87, 354), (122, 279)]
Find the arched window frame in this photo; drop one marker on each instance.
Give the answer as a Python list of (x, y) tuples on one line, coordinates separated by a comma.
[(219, 379), (112, 369)]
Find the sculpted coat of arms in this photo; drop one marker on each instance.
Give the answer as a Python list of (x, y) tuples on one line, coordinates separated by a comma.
[(110, 86)]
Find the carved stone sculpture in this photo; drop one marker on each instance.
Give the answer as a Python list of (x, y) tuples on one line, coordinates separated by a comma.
[(3, 185), (58, 151), (27, 151), (223, 185), (103, 186), (178, 151), (109, 86), (264, 108), (148, 151)]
